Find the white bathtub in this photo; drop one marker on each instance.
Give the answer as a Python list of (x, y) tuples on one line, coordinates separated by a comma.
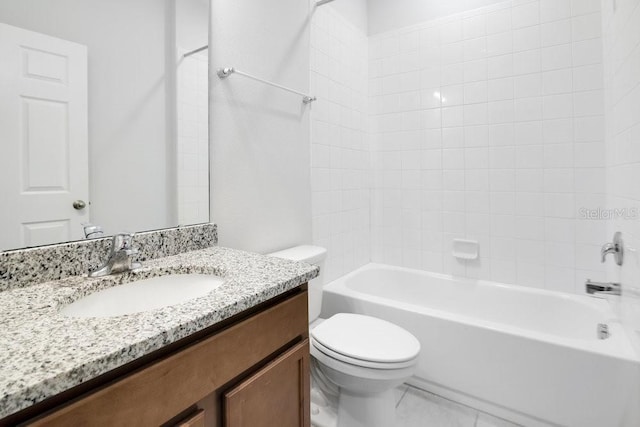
[(528, 355)]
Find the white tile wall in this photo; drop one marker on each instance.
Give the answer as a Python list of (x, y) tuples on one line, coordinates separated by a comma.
[(489, 125), (340, 169), (193, 139), (622, 95)]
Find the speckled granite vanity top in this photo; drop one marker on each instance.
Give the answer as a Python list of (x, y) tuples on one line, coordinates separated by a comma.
[(43, 353)]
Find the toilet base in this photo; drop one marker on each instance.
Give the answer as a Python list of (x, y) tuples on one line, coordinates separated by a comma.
[(378, 410), (323, 411), (371, 410)]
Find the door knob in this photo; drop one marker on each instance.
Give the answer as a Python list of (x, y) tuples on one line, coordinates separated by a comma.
[(79, 205)]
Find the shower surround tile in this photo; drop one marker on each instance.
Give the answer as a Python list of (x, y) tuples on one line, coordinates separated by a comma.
[(340, 154), (513, 126), (25, 267), (622, 94)]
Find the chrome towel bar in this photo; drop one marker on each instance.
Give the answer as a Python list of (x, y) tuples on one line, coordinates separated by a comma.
[(223, 73), (193, 52)]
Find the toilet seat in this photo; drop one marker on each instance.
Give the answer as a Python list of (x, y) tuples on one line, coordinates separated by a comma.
[(359, 362), (365, 341)]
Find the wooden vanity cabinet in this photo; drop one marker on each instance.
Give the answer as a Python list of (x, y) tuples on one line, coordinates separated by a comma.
[(252, 373)]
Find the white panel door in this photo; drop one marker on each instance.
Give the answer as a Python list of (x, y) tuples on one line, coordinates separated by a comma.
[(43, 138)]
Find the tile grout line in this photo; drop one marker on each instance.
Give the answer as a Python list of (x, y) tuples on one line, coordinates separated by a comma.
[(406, 389), (477, 411)]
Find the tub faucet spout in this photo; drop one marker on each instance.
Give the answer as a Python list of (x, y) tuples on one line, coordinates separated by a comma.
[(602, 288)]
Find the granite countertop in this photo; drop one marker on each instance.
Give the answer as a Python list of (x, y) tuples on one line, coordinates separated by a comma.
[(43, 353)]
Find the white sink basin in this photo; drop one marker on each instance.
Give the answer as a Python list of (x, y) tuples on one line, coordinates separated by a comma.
[(143, 295)]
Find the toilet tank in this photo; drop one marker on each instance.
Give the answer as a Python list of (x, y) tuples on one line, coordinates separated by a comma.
[(315, 255)]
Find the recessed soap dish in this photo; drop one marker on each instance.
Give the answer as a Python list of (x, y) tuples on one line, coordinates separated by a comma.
[(465, 249)]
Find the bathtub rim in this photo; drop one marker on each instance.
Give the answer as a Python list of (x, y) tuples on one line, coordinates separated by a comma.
[(618, 345)]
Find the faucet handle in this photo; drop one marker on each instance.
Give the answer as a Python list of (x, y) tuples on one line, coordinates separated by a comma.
[(607, 248), (122, 241), (616, 248), (132, 251), (120, 256)]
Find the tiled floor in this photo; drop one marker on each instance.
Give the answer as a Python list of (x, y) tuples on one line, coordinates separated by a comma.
[(418, 408)]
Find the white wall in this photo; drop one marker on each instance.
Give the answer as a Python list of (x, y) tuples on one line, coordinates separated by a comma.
[(489, 125), (340, 170), (387, 15), (128, 145), (260, 174), (192, 23)]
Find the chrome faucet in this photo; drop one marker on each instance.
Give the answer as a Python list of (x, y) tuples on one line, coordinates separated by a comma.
[(602, 288), (615, 248), (120, 255)]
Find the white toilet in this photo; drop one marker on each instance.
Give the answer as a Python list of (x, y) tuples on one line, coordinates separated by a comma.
[(357, 360)]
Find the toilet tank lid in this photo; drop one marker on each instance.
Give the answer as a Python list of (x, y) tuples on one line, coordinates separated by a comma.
[(306, 253)]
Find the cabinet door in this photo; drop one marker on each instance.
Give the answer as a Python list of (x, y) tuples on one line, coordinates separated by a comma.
[(276, 395)]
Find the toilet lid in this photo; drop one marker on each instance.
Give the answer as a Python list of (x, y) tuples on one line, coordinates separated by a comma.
[(366, 338)]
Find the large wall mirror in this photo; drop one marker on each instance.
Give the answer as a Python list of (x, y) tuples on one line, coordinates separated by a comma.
[(103, 118)]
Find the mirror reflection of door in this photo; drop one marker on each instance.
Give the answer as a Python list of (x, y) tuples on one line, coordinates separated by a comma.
[(43, 139)]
